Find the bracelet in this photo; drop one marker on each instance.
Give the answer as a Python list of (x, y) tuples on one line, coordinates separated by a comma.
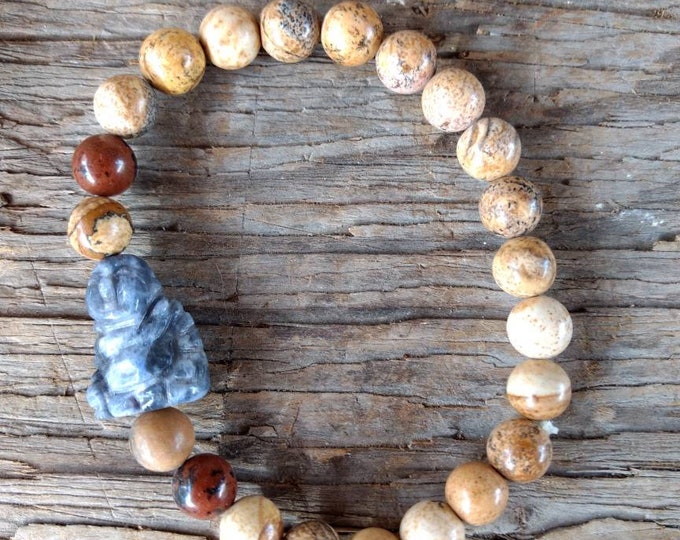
[(149, 357)]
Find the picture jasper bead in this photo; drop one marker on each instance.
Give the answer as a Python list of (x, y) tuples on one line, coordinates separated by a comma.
[(98, 227), (520, 450), (489, 149), (405, 61), (252, 518), (453, 99), (204, 486), (430, 520), (290, 30), (312, 530), (510, 207), (104, 165), (172, 60), (374, 533), (230, 36), (539, 389), (476, 492), (125, 105), (351, 33), (524, 267)]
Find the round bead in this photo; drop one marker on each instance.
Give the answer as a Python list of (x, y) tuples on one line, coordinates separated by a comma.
[(99, 227), (430, 520), (476, 492), (520, 450), (290, 30), (453, 99), (489, 149), (125, 105), (252, 518), (510, 207), (539, 327), (524, 267), (351, 33), (230, 36), (374, 533), (204, 486), (172, 60), (312, 530), (405, 61), (161, 440), (104, 165), (539, 389)]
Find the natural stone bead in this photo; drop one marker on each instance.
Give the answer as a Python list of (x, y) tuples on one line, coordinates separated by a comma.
[(539, 389), (252, 518), (312, 530), (204, 486), (99, 227), (351, 33), (453, 99), (430, 520), (162, 440), (405, 61), (520, 450), (104, 165), (539, 327), (290, 30), (172, 60), (476, 492), (125, 105), (524, 267), (510, 207), (374, 533), (489, 149), (230, 36)]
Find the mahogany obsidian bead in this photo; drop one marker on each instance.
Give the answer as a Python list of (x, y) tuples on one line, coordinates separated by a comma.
[(104, 165)]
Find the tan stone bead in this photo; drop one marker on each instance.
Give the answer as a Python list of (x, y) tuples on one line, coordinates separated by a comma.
[(252, 518), (125, 105), (162, 440), (489, 149), (520, 450), (510, 207), (524, 267), (430, 520), (351, 33), (98, 227), (374, 533), (453, 99), (172, 60), (312, 530), (230, 36), (476, 492), (539, 389), (539, 327), (405, 61), (290, 30)]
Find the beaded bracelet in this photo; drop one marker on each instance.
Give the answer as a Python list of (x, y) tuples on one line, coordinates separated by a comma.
[(149, 356)]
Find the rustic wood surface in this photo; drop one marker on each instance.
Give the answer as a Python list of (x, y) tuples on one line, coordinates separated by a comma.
[(328, 245)]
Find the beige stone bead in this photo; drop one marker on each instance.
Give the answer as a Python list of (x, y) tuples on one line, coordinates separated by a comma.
[(125, 105), (172, 60), (230, 36), (539, 389), (99, 227), (312, 530), (405, 61), (351, 33), (476, 492), (251, 518), (290, 30), (510, 206), (374, 533), (524, 267), (539, 327), (430, 520), (489, 149), (453, 99)]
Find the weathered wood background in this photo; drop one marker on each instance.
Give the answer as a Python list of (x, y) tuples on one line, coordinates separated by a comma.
[(328, 245)]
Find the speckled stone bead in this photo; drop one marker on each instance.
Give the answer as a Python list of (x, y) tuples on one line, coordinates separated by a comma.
[(172, 60), (98, 227), (510, 207), (524, 267), (374, 533), (476, 492), (230, 36), (204, 486), (539, 389), (453, 99), (539, 327), (430, 520), (520, 450), (351, 33), (290, 30), (125, 105), (252, 518), (489, 149), (104, 165), (162, 440), (312, 530), (405, 61)]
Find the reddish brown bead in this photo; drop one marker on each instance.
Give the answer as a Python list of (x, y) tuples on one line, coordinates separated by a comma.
[(204, 486), (104, 165)]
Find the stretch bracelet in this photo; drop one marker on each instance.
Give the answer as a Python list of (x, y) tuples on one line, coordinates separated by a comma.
[(149, 357)]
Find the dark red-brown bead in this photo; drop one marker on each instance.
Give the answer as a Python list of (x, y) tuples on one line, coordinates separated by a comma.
[(104, 165), (204, 486)]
